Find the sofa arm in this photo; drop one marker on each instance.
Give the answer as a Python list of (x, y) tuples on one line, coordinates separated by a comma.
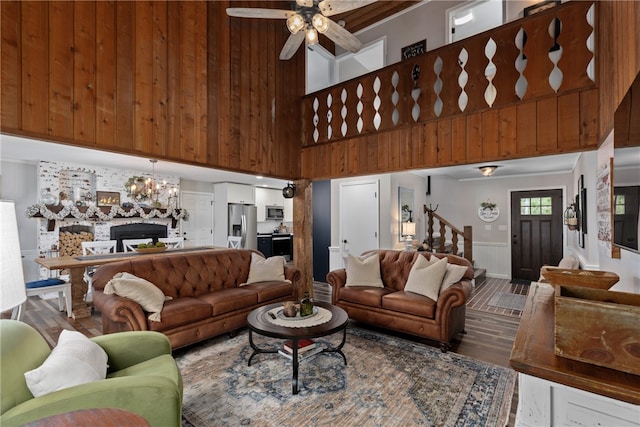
[(120, 310), (293, 274), (455, 296), (130, 348), (155, 398), (337, 279)]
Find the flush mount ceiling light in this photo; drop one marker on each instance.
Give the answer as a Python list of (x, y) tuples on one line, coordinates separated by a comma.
[(488, 170), (463, 19)]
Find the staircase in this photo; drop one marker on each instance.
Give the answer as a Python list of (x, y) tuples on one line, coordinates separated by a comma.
[(441, 242)]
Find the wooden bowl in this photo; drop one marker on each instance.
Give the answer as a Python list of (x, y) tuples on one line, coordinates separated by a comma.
[(584, 278), (151, 250)]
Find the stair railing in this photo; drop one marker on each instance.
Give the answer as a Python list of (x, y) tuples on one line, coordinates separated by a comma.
[(456, 234)]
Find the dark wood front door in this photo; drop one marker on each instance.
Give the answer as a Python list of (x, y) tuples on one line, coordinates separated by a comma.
[(536, 225)]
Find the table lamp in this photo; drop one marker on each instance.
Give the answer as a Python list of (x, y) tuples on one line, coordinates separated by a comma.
[(12, 289), (408, 230)]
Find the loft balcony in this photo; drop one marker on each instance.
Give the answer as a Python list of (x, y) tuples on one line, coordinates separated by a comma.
[(523, 89)]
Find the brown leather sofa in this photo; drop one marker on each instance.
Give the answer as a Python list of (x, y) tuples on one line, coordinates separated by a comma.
[(393, 308), (206, 299)]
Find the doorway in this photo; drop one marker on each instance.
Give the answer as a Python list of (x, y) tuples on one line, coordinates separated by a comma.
[(359, 217), (536, 231), (198, 229)]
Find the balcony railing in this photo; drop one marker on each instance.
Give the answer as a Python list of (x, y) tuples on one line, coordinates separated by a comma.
[(548, 53)]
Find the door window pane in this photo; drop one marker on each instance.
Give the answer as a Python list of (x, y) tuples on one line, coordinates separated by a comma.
[(535, 206)]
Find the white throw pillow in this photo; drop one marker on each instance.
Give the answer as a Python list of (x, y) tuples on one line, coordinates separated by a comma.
[(145, 293), (75, 360), (364, 271), (265, 270), (453, 275), (425, 278)]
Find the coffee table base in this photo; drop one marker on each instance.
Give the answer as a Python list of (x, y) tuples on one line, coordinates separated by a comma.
[(295, 361)]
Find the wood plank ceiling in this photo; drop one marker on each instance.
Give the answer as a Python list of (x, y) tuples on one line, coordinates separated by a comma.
[(357, 19)]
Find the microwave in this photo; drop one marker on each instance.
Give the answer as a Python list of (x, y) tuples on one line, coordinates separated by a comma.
[(274, 213)]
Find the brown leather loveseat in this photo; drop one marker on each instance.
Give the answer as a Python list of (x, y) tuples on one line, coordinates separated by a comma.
[(206, 297), (393, 308)]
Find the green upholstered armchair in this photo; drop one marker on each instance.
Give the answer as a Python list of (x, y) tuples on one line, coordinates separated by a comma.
[(142, 378)]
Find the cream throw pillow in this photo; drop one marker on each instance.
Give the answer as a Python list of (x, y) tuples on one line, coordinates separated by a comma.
[(426, 278), (75, 360), (453, 275), (364, 271), (266, 270), (145, 293)]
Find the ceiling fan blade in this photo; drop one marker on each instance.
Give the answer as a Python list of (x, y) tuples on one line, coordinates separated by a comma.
[(248, 12), (291, 46), (342, 37), (334, 7), (305, 3)]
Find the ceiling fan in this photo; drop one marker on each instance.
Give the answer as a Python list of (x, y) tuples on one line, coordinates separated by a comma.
[(306, 20)]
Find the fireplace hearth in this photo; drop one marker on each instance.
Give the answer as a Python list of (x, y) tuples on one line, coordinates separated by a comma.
[(137, 231)]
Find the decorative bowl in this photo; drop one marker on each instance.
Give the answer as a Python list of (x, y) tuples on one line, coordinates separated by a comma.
[(584, 278), (151, 250)]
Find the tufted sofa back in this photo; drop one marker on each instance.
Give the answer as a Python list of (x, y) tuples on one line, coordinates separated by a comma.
[(184, 274), (396, 265)]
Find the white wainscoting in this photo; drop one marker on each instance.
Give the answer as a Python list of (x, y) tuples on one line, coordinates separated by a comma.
[(494, 257), (335, 258)]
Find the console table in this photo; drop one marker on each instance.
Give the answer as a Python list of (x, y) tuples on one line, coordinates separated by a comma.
[(554, 390)]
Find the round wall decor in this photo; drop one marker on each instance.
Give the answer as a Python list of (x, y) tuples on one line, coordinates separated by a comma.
[(488, 211)]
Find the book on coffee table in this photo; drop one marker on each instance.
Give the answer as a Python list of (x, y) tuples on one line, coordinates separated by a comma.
[(304, 345), (302, 356)]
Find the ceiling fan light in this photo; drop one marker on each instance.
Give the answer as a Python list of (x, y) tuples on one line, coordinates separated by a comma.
[(320, 23), (488, 170), (295, 23), (311, 36)]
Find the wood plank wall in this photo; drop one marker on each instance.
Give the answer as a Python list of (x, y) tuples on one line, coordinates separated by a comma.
[(619, 63), (171, 80)]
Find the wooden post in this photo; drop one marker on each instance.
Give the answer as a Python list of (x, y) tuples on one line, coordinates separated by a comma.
[(468, 243), (303, 233)]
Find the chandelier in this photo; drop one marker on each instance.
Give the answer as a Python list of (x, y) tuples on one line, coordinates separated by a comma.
[(141, 189)]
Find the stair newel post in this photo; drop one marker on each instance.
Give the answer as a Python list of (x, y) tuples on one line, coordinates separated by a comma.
[(468, 243)]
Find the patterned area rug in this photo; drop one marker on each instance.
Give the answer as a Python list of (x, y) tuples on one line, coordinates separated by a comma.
[(508, 300), (388, 382)]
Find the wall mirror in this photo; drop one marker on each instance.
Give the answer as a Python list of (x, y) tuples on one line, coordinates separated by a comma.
[(625, 205), (405, 208)]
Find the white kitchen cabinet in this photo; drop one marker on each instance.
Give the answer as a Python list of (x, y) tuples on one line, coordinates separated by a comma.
[(239, 193), (268, 197), (288, 210)]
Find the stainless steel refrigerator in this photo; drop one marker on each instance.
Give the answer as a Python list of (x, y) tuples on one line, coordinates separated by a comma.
[(243, 222)]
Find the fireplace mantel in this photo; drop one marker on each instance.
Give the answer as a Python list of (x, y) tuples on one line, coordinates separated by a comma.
[(55, 213)]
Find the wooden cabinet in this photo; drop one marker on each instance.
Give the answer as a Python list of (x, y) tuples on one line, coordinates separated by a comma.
[(555, 390)]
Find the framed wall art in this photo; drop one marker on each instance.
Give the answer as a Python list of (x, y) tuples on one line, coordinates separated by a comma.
[(108, 198)]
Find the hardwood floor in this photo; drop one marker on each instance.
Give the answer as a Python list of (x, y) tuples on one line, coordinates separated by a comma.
[(489, 337)]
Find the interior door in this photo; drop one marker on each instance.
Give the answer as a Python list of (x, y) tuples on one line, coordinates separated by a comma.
[(359, 217), (536, 225), (198, 229)]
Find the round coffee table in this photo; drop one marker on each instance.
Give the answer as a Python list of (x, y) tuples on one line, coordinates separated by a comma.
[(259, 323)]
